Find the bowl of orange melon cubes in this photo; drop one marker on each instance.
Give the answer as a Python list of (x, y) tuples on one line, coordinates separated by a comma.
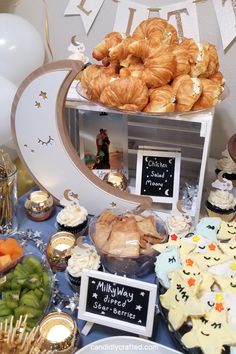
[(10, 253)]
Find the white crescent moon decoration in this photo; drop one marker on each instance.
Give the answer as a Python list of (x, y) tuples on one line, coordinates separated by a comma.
[(40, 132), (167, 192)]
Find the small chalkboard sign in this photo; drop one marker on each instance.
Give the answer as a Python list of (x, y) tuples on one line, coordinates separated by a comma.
[(158, 175), (118, 302)]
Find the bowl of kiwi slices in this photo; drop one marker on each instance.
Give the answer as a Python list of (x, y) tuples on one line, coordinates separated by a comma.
[(26, 290)]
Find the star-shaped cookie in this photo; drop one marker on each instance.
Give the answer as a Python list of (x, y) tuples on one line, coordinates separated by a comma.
[(211, 333), (227, 231), (181, 302), (211, 257)]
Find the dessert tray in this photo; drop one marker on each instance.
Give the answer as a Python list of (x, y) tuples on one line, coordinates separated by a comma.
[(84, 97)]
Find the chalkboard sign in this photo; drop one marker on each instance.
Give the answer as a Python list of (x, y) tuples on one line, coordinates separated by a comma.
[(158, 174), (117, 302)]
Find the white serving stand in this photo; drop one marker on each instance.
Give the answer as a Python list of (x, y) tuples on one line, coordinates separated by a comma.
[(190, 132)]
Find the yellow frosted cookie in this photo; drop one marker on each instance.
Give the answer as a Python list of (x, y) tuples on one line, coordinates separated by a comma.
[(211, 333), (181, 302), (211, 257)]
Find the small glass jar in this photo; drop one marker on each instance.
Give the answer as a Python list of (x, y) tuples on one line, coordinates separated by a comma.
[(8, 201), (39, 205), (59, 248)]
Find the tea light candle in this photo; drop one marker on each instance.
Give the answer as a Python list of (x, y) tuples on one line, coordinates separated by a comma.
[(59, 249), (58, 329), (39, 205)]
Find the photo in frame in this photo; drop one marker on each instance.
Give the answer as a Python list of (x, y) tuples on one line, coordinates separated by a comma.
[(104, 142), (158, 174)]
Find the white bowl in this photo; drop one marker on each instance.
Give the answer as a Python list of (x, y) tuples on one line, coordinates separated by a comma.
[(125, 345)]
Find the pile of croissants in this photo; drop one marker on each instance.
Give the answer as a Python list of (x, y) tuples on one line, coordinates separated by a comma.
[(152, 71)]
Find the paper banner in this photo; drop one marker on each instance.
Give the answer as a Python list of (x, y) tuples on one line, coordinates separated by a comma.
[(183, 16), (128, 15), (226, 16), (87, 9)]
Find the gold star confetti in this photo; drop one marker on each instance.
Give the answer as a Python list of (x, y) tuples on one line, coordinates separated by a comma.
[(37, 104), (43, 95)]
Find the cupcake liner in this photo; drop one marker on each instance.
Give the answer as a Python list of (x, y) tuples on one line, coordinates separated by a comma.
[(80, 229), (76, 281), (225, 217)]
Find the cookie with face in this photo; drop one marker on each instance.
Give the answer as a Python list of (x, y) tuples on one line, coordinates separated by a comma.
[(175, 241), (227, 231), (229, 248), (211, 257), (208, 228), (181, 302), (168, 261), (226, 284), (200, 242), (198, 280), (210, 333), (221, 301)]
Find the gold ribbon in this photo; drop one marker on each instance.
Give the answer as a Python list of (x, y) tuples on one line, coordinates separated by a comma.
[(46, 29)]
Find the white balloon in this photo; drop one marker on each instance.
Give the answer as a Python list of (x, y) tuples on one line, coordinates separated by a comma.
[(8, 91), (21, 48)]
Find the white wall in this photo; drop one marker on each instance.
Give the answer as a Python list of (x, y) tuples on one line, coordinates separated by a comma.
[(62, 28)]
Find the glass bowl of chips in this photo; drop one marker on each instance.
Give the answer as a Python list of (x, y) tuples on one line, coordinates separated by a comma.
[(124, 240)]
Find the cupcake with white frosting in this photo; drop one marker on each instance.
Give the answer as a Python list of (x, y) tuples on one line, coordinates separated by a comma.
[(83, 256), (72, 218), (179, 224), (221, 203)]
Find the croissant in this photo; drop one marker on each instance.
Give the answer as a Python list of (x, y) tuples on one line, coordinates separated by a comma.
[(218, 78), (182, 61), (202, 61), (161, 100), (131, 62), (157, 70), (142, 49), (178, 81), (121, 50), (187, 94), (128, 93), (213, 66), (191, 46), (88, 74), (102, 49), (156, 30), (210, 95), (98, 84)]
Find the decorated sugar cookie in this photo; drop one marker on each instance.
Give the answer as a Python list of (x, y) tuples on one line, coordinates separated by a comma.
[(221, 301), (229, 248), (226, 284), (225, 270), (175, 241), (211, 333), (196, 279), (166, 262), (200, 242), (208, 228), (227, 231), (181, 302), (211, 257)]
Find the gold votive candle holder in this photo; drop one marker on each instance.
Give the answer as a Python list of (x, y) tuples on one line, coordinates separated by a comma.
[(59, 249), (39, 205), (58, 331)]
